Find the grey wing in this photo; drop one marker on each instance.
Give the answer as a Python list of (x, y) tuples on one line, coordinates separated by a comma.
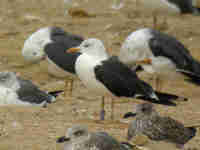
[(164, 45), (31, 93), (103, 141)]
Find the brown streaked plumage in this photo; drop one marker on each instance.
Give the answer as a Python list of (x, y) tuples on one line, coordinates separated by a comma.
[(158, 128)]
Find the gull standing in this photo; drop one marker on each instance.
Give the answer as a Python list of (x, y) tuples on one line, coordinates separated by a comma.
[(50, 43), (104, 75), (160, 54)]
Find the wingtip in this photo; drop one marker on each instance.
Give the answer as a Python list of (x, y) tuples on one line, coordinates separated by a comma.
[(170, 97), (55, 93), (129, 114), (161, 101)]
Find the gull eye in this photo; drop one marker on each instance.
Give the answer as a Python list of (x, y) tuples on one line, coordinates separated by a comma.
[(144, 109), (3, 78), (78, 133), (34, 53), (86, 45)]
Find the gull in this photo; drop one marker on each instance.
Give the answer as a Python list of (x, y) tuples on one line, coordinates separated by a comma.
[(158, 128), (50, 43), (159, 54), (15, 90), (107, 76), (79, 138)]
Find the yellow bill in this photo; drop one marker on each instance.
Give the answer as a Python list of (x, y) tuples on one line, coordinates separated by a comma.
[(73, 50), (144, 61)]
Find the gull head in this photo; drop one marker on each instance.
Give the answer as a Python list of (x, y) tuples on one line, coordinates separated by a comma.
[(33, 50)]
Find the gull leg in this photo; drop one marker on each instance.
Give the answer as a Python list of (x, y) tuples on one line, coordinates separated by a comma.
[(164, 24), (71, 83), (102, 112), (158, 83), (112, 108), (155, 21), (137, 3), (69, 87)]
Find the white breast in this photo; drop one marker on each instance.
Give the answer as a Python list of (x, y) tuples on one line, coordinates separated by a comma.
[(163, 64), (160, 65), (85, 70)]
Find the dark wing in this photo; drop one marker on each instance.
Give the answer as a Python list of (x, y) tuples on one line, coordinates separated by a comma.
[(120, 80), (184, 5), (162, 44), (56, 52), (67, 39), (103, 141), (28, 92)]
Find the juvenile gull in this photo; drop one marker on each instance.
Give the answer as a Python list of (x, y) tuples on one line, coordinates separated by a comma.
[(160, 54), (79, 138), (158, 128), (15, 90), (107, 76), (50, 43)]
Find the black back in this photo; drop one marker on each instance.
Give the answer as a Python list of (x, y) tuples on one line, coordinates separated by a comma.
[(56, 52), (162, 44), (67, 39), (121, 80)]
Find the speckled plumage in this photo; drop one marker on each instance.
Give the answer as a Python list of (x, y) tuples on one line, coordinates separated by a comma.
[(158, 128)]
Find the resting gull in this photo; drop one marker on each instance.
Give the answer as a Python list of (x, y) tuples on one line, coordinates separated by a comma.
[(15, 90)]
